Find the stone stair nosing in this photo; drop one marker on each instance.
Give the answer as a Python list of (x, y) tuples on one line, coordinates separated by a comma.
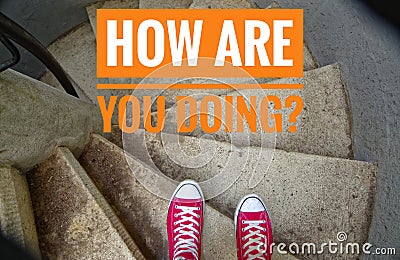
[(143, 213), (322, 128), (164, 4), (76, 53), (311, 198), (16, 216), (222, 4), (73, 218), (36, 117), (119, 4)]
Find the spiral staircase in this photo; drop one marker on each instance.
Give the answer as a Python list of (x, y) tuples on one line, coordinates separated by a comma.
[(68, 191)]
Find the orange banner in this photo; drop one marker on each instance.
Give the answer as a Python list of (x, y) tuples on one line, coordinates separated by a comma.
[(199, 43)]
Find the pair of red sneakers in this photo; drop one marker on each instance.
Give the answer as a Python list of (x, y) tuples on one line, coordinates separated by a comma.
[(185, 222)]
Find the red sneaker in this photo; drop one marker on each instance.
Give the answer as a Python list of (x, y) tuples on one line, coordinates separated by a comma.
[(253, 229), (185, 221)]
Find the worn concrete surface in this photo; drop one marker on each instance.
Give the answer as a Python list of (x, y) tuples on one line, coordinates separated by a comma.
[(310, 198), (16, 216), (323, 127), (164, 4), (121, 4), (172, 95), (143, 213), (35, 118), (309, 60), (73, 219), (366, 47), (222, 4), (76, 52), (344, 31)]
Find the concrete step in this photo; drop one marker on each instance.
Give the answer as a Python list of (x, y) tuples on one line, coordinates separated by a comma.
[(73, 219), (120, 4), (16, 216), (310, 198), (46, 117), (79, 47), (164, 4), (222, 4), (143, 213), (323, 127), (76, 52)]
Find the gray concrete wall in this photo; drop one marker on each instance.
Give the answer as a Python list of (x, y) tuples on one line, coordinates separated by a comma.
[(46, 20), (367, 48)]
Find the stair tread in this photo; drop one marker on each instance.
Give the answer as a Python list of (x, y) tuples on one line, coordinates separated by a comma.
[(222, 4), (310, 197), (164, 4), (323, 127), (143, 213), (120, 4), (16, 216), (46, 117), (73, 219), (76, 53)]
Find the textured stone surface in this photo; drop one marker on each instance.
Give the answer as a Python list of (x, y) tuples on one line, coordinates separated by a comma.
[(309, 61), (121, 4), (35, 118), (366, 46), (222, 4), (143, 213), (16, 216), (164, 4), (323, 127), (171, 95), (73, 219), (310, 198), (76, 52)]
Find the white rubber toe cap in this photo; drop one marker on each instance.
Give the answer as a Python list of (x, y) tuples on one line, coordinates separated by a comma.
[(252, 204), (188, 191)]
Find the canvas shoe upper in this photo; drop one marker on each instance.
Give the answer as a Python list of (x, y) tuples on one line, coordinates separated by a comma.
[(253, 229), (185, 222)]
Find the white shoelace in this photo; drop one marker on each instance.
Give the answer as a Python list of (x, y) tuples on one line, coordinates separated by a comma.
[(256, 240), (186, 245)]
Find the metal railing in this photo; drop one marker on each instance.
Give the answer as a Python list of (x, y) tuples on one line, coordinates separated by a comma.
[(11, 31)]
